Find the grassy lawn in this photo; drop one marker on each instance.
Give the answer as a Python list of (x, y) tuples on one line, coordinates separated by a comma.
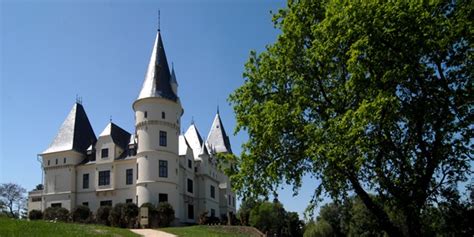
[(204, 231), (12, 227)]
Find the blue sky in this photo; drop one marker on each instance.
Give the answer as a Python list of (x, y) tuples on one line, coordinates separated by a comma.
[(54, 50)]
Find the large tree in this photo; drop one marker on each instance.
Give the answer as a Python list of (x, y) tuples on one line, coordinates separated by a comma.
[(13, 197), (373, 97)]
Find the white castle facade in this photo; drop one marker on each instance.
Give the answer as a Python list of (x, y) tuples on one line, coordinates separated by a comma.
[(154, 164)]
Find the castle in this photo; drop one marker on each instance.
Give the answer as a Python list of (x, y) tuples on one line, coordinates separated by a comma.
[(154, 164)]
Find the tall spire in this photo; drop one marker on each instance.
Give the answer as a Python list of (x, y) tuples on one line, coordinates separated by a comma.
[(217, 139), (158, 76)]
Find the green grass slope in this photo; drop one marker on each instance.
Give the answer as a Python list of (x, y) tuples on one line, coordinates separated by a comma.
[(11, 227)]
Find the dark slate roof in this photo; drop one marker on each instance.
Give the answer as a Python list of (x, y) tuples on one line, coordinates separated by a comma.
[(75, 133), (173, 76), (158, 77), (217, 140), (119, 136)]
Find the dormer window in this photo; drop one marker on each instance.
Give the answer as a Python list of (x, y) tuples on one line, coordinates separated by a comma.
[(104, 153)]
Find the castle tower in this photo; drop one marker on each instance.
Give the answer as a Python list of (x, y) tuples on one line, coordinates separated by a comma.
[(157, 125)]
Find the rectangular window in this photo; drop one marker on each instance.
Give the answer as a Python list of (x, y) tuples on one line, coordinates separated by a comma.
[(190, 186), (36, 199), (146, 114), (190, 211), (104, 153), (162, 197), (85, 204), (129, 176), (56, 205), (233, 201), (163, 169), (56, 161), (230, 198), (213, 192), (213, 212), (128, 200), (190, 164), (106, 203), (163, 116), (85, 181), (49, 162), (64, 160), (162, 138), (104, 177)]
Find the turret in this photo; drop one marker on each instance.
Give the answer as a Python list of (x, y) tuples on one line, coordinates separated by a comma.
[(157, 124)]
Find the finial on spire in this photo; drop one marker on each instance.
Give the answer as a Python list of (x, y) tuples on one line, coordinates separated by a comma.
[(158, 20), (217, 109), (78, 99), (192, 120), (110, 119)]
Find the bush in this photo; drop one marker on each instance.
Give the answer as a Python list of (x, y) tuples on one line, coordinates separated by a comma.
[(56, 213), (81, 214), (131, 214), (103, 215), (203, 218), (116, 216), (165, 214), (35, 215)]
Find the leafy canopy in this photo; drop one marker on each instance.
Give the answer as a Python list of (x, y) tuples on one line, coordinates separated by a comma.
[(368, 97)]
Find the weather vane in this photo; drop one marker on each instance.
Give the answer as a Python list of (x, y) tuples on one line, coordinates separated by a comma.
[(158, 20)]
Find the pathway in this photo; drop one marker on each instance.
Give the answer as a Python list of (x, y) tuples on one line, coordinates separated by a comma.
[(152, 233)]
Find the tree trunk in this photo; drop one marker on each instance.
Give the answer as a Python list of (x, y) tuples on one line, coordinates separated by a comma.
[(374, 208)]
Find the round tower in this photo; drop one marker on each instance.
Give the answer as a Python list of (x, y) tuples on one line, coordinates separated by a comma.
[(157, 125)]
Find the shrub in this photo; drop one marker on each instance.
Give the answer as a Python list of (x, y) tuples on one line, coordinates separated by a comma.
[(35, 215), (203, 218), (103, 215), (116, 216), (56, 213), (165, 214), (130, 214), (81, 214)]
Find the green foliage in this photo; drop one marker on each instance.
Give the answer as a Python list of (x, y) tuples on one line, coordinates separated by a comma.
[(165, 214), (245, 208), (293, 226), (366, 97), (35, 215), (102, 216), (320, 228), (268, 217), (56, 214), (124, 215), (81, 214), (131, 214), (12, 227)]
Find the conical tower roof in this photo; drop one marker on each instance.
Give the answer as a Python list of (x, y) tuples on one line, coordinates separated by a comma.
[(217, 140), (75, 133), (194, 139), (158, 78)]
